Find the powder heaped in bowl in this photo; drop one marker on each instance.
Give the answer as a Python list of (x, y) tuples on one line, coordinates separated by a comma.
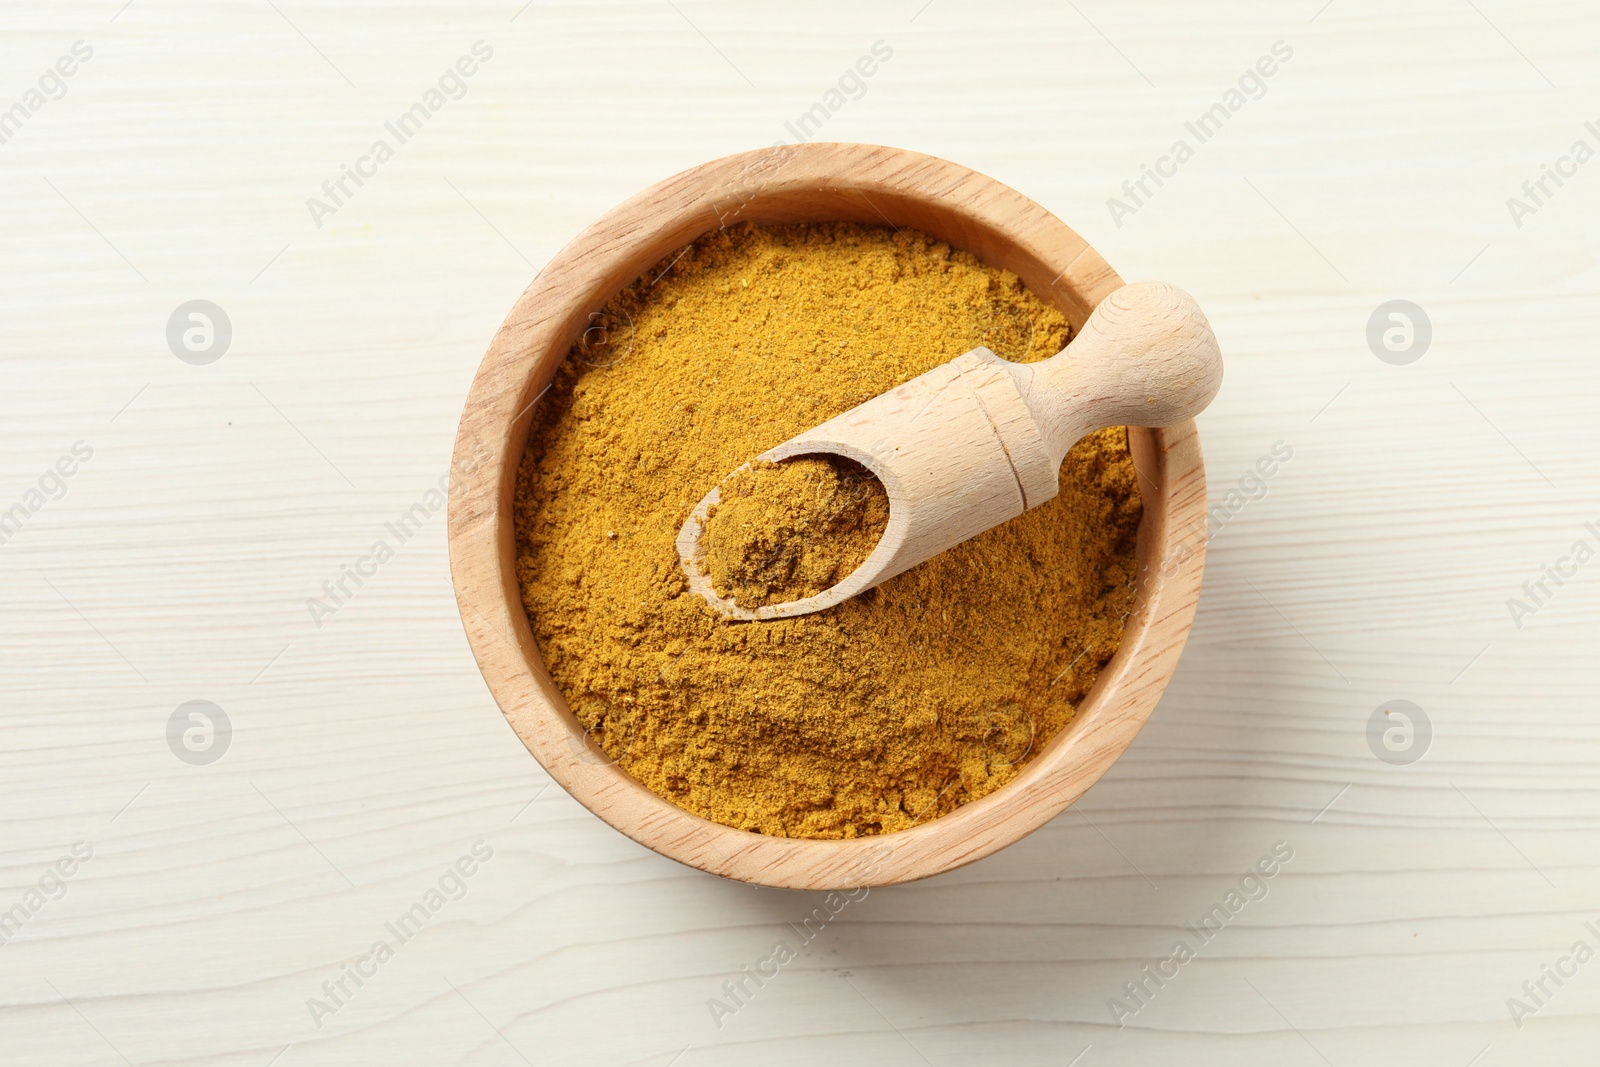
[(890, 709)]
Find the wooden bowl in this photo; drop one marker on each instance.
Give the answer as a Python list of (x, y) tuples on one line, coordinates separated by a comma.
[(807, 183)]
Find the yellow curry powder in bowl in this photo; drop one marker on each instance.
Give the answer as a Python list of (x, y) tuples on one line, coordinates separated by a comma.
[(890, 709)]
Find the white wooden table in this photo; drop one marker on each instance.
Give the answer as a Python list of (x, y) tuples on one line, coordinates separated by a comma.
[(209, 501)]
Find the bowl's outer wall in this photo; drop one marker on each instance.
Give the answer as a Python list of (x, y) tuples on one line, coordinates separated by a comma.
[(806, 183)]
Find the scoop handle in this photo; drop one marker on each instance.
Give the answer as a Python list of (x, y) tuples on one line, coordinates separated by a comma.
[(1146, 357)]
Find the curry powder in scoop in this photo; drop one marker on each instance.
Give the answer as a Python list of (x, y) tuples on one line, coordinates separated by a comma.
[(784, 531), (890, 709)]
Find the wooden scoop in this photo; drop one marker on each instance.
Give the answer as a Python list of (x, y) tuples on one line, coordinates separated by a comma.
[(980, 440)]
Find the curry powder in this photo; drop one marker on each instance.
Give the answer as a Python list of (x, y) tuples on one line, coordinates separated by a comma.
[(892, 708), (783, 531)]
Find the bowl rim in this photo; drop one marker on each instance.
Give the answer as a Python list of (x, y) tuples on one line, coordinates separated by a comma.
[(815, 182)]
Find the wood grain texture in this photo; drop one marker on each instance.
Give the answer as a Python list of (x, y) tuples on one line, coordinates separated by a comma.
[(1374, 564)]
